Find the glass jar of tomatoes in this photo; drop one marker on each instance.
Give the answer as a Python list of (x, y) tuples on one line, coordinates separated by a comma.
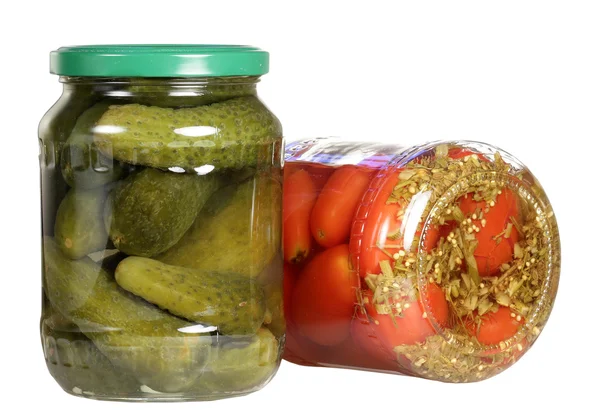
[(439, 261)]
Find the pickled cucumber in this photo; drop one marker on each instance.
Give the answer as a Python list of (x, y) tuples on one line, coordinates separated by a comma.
[(77, 364), (54, 129), (233, 304), (275, 319), (242, 365), (150, 210), (241, 237), (82, 165), (161, 351), (79, 226), (231, 134)]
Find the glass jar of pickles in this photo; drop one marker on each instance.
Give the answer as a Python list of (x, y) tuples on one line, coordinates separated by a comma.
[(439, 260), (161, 202)]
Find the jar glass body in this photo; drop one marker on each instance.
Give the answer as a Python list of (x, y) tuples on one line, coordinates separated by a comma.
[(439, 260), (162, 270)]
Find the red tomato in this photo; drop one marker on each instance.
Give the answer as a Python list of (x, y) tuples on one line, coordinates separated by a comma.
[(460, 153), (289, 169), (318, 173), (299, 350), (514, 349), (324, 297), (447, 228), (289, 279), (433, 301), (489, 254), (382, 220), (299, 196), (495, 327), (412, 327), (365, 336), (349, 354), (334, 210)]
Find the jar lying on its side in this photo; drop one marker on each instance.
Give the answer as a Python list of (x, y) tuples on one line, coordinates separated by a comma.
[(439, 261), (161, 201)]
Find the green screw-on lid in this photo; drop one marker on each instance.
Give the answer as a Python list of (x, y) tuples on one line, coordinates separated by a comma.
[(159, 61)]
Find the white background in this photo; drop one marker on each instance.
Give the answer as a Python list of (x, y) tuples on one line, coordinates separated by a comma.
[(523, 75)]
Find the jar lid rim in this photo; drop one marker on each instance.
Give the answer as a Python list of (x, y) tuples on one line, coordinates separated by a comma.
[(159, 60)]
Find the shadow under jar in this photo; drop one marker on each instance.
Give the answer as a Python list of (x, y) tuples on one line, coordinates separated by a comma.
[(439, 260), (161, 223)]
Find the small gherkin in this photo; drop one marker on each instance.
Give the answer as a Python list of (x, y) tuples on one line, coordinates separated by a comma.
[(232, 304), (150, 344), (234, 133), (82, 165), (54, 130), (237, 231), (79, 227), (76, 363), (150, 211), (241, 364), (275, 319)]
